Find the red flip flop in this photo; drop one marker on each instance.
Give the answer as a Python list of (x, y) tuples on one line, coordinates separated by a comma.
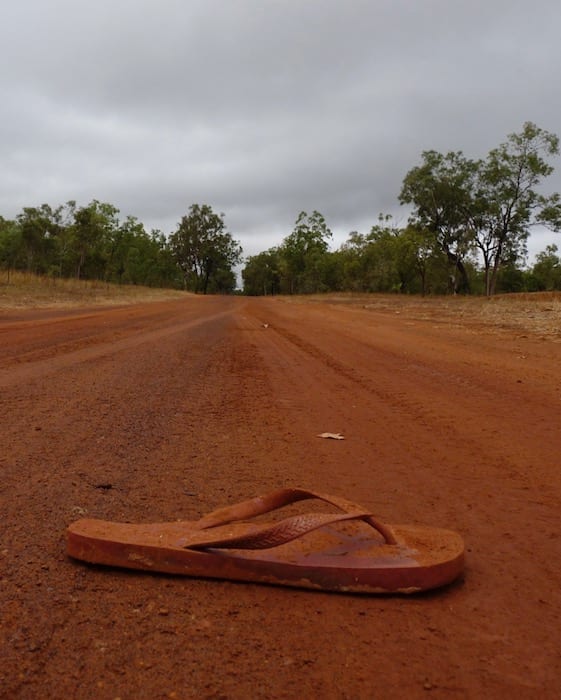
[(349, 551)]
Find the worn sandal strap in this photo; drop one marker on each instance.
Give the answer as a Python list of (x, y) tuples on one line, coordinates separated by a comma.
[(282, 497), (269, 536)]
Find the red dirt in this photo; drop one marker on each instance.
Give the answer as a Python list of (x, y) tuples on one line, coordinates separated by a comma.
[(167, 410)]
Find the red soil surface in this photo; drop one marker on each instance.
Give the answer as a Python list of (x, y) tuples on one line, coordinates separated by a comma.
[(165, 411)]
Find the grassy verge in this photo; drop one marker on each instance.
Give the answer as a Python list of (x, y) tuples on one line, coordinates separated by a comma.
[(22, 290), (537, 313)]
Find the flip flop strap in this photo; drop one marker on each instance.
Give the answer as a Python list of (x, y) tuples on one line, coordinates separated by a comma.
[(269, 536), (282, 497)]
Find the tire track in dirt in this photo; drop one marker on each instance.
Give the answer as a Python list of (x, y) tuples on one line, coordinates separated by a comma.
[(199, 405), (89, 348), (470, 468), (447, 396)]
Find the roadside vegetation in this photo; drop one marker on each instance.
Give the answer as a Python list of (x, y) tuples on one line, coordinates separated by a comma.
[(91, 243), (467, 233), (26, 291), (521, 315)]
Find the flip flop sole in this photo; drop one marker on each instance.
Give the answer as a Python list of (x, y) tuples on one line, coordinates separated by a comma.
[(330, 558)]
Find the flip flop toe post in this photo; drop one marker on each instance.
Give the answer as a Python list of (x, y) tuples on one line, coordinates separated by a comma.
[(347, 551)]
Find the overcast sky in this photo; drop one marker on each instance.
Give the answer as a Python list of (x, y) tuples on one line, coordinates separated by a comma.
[(263, 108)]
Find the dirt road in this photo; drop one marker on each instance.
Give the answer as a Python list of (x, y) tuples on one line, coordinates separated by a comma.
[(167, 410)]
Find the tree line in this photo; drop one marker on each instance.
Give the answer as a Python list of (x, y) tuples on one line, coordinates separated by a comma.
[(90, 242), (469, 224)]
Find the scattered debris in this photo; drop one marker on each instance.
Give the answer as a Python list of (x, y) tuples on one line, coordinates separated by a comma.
[(265, 325), (331, 436)]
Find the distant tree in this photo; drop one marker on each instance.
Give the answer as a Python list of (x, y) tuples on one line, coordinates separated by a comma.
[(546, 271), (394, 255), (204, 251), (416, 247), (164, 272), (350, 263), (127, 252), (379, 261), (93, 230), (332, 271), (304, 253), (88, 242), (489, 205), (507, 203), (38, 227), (261, 275), (63, 263), (440, 190), (10, 245), (222, 281), (136, 257)]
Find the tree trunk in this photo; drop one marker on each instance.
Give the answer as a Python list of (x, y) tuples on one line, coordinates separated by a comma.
[(463, 286), (496, 266), (493, 281), (487, 281), (423, 283)]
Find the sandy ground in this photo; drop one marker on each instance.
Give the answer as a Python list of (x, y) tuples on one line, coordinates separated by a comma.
[(166, 410)]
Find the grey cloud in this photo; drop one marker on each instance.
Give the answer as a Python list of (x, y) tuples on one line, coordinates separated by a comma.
[(262, 109)]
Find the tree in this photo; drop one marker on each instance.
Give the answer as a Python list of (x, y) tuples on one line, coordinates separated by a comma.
[(204, 251), (440, 190), (304, 252), (10, 244), (393, 256), (351, 263), (416, 250), (126, 252), (63, 262), (507, 203), (38, 227), (163, 272), (368, 261), (489, 205), (261, 274), (136, 257), (387, 259), (93, 230), (89, 242), (547, 269)]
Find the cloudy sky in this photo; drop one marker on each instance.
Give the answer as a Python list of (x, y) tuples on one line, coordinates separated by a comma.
[(263, 108)]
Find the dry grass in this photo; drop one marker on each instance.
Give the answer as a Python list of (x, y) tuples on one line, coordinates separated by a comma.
[(22, 290), (537, 313)]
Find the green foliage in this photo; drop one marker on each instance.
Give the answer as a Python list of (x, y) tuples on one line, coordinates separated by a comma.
[(389, 259), (303, 254), (204, 251), (301, 265), (261, 274), (370, 260), (37, 229), (546, 271), (488, 205), (464, 212), (94, 228), (11, 247), (440, 189), (87, 242), (509, 201)]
